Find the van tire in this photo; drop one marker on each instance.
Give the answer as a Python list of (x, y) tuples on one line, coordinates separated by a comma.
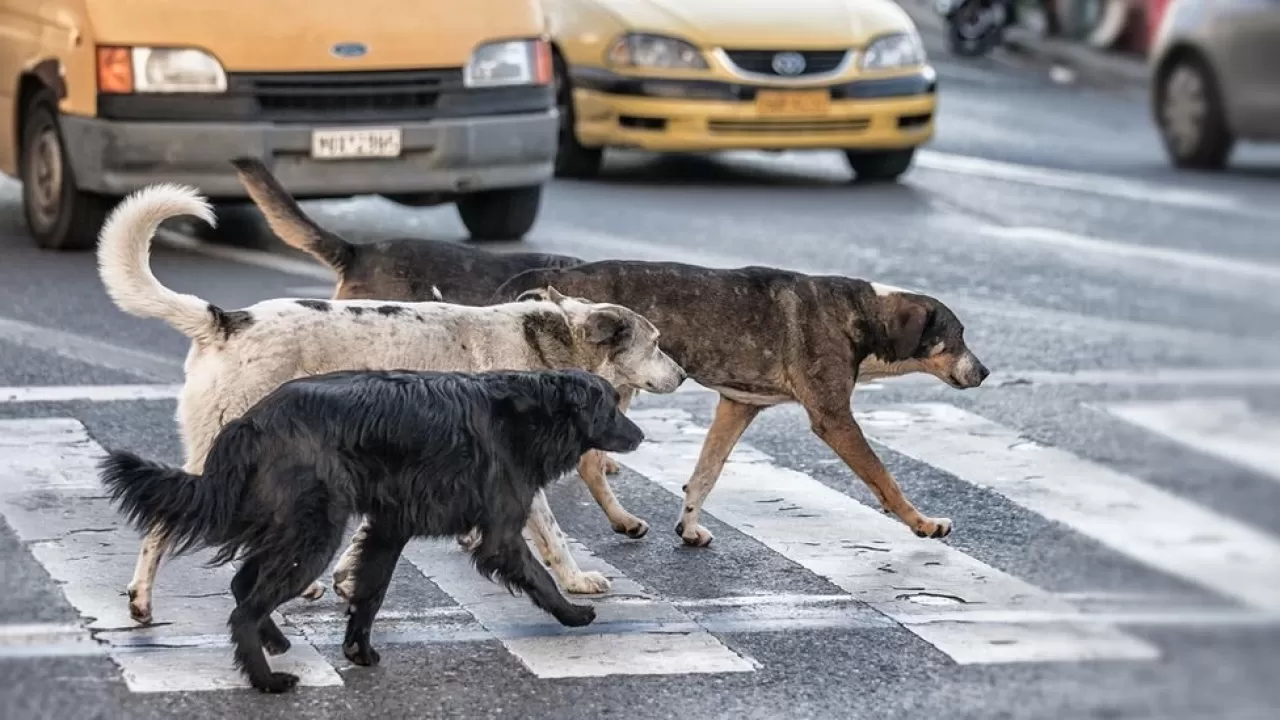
[(59, 215), (497, 215)]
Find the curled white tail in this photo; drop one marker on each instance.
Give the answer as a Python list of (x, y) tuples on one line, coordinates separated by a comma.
[(124, 258)]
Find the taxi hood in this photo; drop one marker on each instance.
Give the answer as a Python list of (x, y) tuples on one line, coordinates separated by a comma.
[(298, 35), (764, 24)]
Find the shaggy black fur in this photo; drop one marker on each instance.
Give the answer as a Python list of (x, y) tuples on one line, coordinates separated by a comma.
[(418, 453)]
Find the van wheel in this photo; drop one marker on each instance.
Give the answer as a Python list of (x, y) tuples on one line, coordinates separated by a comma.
[(59, 216), (573, 160), (880, 165), (496, 215), (1191, 117)]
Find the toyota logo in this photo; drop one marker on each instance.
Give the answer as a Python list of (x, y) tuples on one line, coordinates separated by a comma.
[(788, 63)]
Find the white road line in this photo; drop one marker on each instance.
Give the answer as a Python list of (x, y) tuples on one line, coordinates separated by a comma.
[(659, 639), (1091, 183), (1224, 427), (1121, 512), (245, 256), (53, 500), (46, 640), (875, 558), (86, 393), (88, 350), (1187, 260)]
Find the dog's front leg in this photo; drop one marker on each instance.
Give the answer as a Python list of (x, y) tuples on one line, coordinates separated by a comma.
[(732, 419), (591, 467), (554, 547), (841, 432)]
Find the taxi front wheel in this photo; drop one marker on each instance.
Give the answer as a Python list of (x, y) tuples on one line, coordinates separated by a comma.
[(879, 165), (573, 159)]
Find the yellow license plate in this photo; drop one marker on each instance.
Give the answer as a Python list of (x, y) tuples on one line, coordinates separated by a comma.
[(793, 102)]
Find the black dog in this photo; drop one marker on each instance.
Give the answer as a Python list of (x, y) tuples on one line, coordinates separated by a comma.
[(418, 453)]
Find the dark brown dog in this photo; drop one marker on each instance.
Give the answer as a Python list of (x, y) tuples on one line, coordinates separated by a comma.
[(809, 339)]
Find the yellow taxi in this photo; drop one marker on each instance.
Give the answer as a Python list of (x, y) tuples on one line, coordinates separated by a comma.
[(708, 75)]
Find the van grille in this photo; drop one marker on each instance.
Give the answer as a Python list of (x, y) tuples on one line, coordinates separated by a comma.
[(346, 96)]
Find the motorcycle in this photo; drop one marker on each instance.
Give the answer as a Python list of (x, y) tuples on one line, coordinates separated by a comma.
[(975, 27)]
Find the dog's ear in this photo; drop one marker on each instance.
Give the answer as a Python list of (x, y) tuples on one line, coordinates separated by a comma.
[(609, 327), (907, 323)]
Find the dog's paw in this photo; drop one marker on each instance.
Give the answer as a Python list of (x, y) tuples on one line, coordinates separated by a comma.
[(278, 682), (697, 537), (471, 540), (361, 654), (587, 583), (611, 466), (314, 591), (633, 527), (139, 608), (577, 615), (933, 527)]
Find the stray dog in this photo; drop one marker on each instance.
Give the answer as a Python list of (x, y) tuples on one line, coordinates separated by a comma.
[(238, 356), (415, 270), (418, 454), (762, 337)]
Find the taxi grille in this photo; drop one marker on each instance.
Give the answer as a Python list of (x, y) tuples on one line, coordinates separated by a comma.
[(775, 127), (761, 61)]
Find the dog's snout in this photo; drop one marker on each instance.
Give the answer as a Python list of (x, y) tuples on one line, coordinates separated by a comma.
[(983, 373)]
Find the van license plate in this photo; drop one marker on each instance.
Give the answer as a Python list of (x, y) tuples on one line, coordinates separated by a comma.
[(794, 102), (362, 143)]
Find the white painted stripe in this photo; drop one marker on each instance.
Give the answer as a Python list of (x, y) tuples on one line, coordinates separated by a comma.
[(310, 291), (1125, 514), (53, 500), (90, 351), (46, 640), (1091, 183), (660, 640), (1200, 263), (245, 256), (86, 393), (874, 557), (1224, 427)]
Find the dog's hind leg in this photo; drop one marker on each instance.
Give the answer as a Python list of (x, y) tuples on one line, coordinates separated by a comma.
[(554, 547), (731, 420), (265, 585), (144, 575), (273, 640), (378, 557), (504, 553), (344, 573)]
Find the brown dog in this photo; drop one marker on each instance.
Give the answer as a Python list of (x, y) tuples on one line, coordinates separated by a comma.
[(809, 340)]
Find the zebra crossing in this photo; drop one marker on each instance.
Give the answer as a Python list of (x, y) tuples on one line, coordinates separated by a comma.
[(964, 608)]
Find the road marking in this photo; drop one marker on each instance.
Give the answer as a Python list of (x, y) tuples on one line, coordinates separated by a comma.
[(91, 351), (1224, 427), (659, 639), (245, 256), (1091, 183), (875, 558), (86, 393), (1125, 514), (52, 499), (46, 640), (1196, 262)]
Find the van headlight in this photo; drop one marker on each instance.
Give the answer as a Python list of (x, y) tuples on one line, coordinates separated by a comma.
[(898, 50), (508, 62), (655, 51), (159, 70)]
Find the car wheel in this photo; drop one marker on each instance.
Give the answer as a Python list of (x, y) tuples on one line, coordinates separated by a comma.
[(59, 215), (573, 160), (879, 165), (1191, 116), (496, 215)]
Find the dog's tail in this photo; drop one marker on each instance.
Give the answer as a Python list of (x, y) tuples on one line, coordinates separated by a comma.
[(189, 510), (124, 250), (287, 220)]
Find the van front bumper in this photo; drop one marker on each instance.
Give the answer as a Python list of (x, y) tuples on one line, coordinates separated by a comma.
[(445, 155)]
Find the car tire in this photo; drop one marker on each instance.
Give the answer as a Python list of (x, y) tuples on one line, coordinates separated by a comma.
[(879, 165), (59, 215), (1191, 116), (497, 215), (573, 160)]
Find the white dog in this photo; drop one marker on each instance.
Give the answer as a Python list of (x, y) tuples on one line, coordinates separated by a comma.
[(239, 356)]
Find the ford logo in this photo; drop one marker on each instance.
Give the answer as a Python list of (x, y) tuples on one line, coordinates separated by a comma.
[(349, 50), (788, 63)]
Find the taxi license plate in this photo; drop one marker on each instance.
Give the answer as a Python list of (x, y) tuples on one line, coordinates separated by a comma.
[(362, 143), (793, 102)]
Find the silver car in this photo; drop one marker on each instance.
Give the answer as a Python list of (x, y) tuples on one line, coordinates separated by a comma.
[(1216, 78)]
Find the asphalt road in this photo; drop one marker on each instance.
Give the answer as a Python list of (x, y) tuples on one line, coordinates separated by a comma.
[(1114, 484)]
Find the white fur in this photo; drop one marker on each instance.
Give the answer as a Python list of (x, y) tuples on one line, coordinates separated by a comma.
[(225, 375)]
